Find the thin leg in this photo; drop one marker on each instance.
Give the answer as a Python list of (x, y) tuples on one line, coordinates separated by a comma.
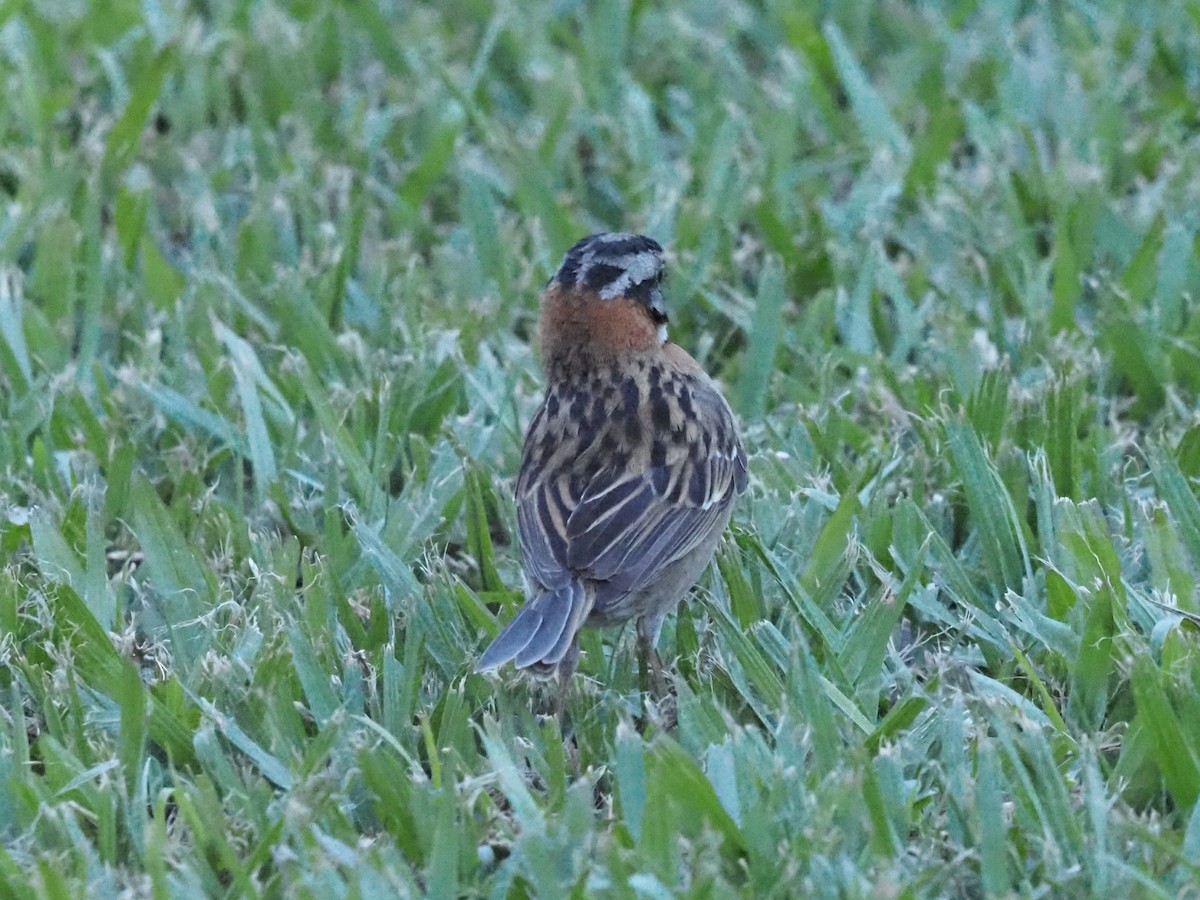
[(566, 668), (649, 665)]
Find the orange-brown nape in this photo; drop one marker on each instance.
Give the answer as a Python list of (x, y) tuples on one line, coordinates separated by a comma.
[(576, 321)]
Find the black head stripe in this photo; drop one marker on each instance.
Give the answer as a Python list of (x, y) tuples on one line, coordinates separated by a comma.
[(601, 275), (569, 270)]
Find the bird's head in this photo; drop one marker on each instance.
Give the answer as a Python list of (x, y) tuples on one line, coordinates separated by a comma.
[(605, 303)]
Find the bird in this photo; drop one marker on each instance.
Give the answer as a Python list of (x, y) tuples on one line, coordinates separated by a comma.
[(630, 465)]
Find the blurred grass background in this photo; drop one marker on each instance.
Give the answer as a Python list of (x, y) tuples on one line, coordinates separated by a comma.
[(268, 280)]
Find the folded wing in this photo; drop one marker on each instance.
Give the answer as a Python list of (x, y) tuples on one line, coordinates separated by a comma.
[(597, 508)]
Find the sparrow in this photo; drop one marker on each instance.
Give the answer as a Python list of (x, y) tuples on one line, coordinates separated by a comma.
[(630, 465)]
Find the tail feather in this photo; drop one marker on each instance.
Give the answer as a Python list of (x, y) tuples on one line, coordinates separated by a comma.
[(541, 631), (579, 612)]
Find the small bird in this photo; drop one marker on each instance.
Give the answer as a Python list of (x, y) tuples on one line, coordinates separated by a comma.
[(630, 465)]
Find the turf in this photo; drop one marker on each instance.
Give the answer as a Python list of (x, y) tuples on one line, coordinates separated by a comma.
[(268, 280)]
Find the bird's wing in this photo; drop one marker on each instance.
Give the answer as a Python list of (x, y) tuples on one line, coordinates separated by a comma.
[(617, 487)]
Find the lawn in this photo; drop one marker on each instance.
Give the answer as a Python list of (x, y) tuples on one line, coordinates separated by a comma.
[(268, 284)]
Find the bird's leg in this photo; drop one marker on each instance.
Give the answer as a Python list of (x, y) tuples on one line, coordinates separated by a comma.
[(664, 710), (649, 665), (563, 684), (566, 669)]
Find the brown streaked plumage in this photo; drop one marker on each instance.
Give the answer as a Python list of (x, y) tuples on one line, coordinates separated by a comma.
[(630, 466)]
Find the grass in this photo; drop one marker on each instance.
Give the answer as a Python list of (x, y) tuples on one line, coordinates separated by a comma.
[(268, 278)]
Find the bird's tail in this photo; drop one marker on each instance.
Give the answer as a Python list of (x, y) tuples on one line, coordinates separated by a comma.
[(543, 630)]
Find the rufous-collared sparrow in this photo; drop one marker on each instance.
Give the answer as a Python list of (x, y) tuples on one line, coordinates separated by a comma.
[(630, 466)]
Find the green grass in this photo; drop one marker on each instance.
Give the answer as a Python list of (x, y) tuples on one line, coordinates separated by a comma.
[(268, 280)]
